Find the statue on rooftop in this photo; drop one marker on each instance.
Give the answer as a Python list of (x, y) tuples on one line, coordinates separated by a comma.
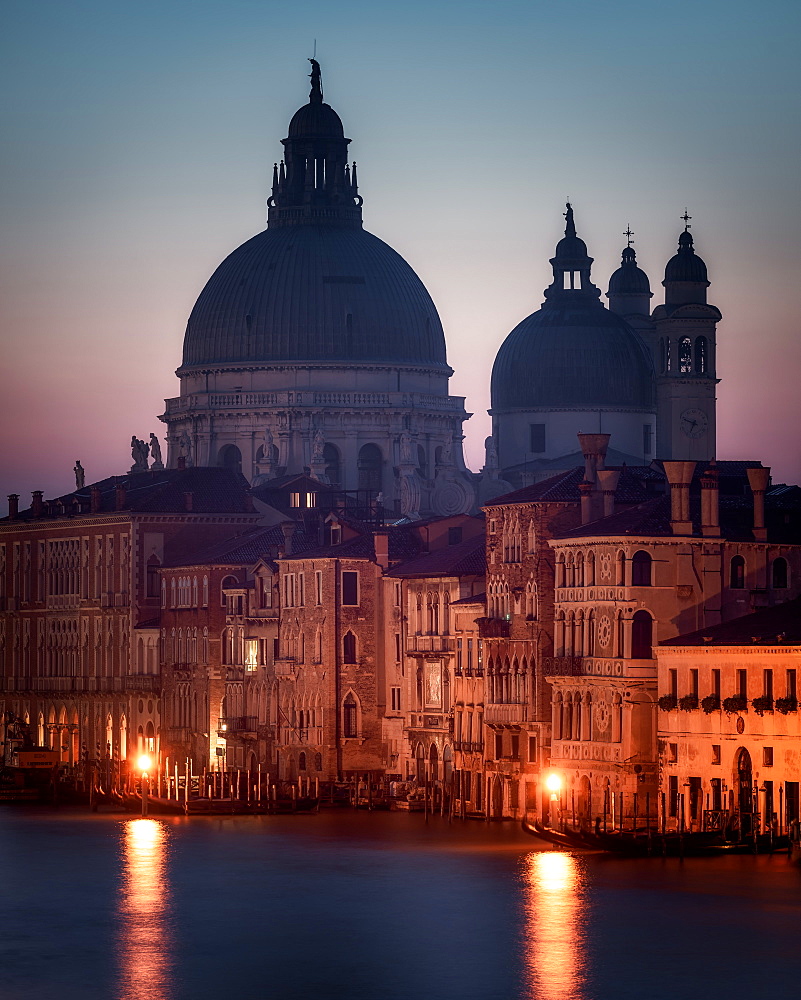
[(80, 475), (155, 452)]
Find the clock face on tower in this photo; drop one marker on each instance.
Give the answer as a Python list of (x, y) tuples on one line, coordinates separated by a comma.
[(693, 422)]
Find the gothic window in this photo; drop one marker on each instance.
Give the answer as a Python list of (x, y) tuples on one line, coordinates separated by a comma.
[(318, 762), (369, 468), (701, 355), (779, 575), (172, 593), (194, 592), (205, 591), (153, 576), (302, 761), (589, 571), (642, 627), (685, 356), (590, 643), (349, 648), (350, 717), (229, 581), (641, 569), (737, 573)]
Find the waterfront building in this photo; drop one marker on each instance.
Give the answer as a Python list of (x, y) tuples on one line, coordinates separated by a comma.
[(81, 599), (721, 542), (648, 379), (439, 649), (314, 346), (729, 733)]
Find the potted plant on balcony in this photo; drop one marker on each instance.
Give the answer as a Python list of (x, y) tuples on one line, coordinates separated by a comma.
[(688, 703), (735, 704), (667, 702), (786, 705), (762, 705), (711, 703)]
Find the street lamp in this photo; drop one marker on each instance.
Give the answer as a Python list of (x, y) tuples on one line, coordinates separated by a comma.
[(144, 764), (554, 785)]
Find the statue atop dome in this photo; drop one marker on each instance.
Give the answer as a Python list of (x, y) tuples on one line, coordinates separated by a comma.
[(316, 93)]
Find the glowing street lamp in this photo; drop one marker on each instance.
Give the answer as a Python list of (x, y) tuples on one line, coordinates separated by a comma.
[(144, 764), (554, 785)]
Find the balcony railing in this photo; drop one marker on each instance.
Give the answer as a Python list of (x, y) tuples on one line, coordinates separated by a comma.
[(505, 715), (416, 644), (564, 666), (237, 725), (85, 685), (179, 734)]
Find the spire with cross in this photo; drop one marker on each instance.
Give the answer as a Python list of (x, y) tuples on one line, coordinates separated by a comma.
[(628, 234), (686, 218)]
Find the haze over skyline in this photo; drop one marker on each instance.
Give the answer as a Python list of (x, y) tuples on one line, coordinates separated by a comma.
[(139, 151)]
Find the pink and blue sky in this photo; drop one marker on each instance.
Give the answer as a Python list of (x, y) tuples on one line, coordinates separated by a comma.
[(138, 142)]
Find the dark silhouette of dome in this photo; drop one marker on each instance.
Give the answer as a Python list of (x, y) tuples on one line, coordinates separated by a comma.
[(572, 356), (316, 121), (314, 286), (307, 293), (573, 353), (686, 265), (629, 279)]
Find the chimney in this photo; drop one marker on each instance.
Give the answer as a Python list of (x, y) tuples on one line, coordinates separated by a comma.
[(182, 462), (250, 507), (710, 502), (759, 480), (188, 501), (288, 528), (119, 496), (593, 448), (586, 490), (94, 499), (607, 482), (37, 504), (13, 505), (679, 475), (381, 542)]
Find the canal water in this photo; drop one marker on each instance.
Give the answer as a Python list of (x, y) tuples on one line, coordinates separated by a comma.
[(376, 906)]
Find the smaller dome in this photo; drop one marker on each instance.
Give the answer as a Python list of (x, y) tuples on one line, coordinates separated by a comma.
[(571, 248), (316, 121), (629, 279), (686, 265)]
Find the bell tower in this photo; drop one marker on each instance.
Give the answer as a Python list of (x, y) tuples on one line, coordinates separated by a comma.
[(684, 331)]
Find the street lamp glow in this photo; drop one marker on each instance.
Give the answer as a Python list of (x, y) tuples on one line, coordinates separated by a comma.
[(144, 762), (553, 783)]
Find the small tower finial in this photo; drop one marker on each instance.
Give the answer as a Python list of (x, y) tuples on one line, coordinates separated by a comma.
[(686, 219), (316, 92), (628, 234)]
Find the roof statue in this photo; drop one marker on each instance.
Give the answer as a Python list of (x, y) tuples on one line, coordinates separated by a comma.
[(316, 93)]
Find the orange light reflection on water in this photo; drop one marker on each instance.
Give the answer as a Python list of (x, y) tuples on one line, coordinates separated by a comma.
[(144, 940), (554, 927)]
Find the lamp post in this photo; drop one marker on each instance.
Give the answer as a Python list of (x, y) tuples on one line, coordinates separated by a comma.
[(554, 785), (144, 764)]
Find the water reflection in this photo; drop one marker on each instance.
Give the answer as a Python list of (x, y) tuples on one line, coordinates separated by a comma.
[(144, 940), (554, 927)]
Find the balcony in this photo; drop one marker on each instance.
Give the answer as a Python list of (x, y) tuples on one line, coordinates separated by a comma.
[(505, 715), (493, 628), (238, 725), (417, 645)]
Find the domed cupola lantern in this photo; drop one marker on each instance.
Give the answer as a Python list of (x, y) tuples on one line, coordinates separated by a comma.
[(571, 265), (685, 273), (315, 348), (629, 288)]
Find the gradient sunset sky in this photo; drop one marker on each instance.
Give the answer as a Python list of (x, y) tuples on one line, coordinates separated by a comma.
[(139, 138)]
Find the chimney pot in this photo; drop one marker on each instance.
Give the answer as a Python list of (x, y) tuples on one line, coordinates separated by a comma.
[(94, 499), (381, 542), (607, 481), (586, 490), (680, 475), (119, 496), (37, 503), (13, 505), (288, 529), (759, 480)]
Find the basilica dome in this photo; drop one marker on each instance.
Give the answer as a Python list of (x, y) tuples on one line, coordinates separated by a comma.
[(572, 353), (314, 287), (314, 293)]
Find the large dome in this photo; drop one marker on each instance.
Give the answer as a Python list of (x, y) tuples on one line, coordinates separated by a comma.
[(317, 294), (572, 355)]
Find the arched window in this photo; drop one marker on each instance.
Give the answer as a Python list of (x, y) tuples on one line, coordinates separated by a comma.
[(350, 719), (302, 761), (349, 648), (642, 629), (369, 468), (685, 356), (164, 593), (701, 355), (153, 576), (590, 569), (590, 643), (619, 640), (194, 592), (332, 464), (205, 591), (641, 569), (737, 573), (779, 576), (172, 592), (230, 457), (318, 762)]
